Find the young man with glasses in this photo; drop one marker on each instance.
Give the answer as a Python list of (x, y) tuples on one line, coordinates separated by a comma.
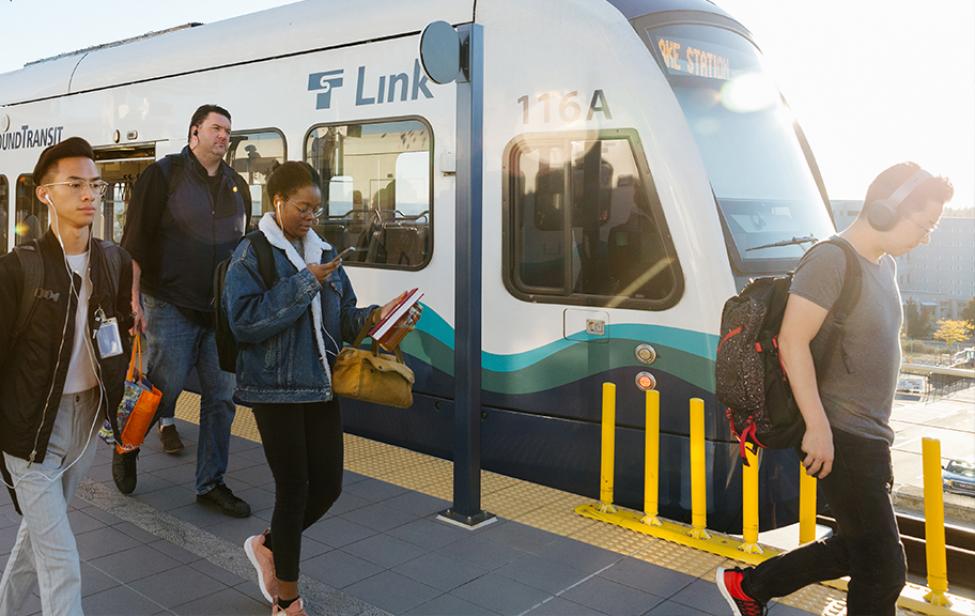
[(187, 214), (64, 302), (845, 395)]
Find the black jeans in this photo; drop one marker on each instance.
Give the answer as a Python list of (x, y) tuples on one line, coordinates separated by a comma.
[(303, 446), (866, 545)]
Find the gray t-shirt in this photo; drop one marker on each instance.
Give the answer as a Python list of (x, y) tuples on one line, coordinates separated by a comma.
[(857, 390)]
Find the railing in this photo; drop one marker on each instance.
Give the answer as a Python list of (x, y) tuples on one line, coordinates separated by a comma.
[(933, 599)]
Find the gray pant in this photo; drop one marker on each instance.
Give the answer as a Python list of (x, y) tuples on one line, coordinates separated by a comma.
[(45, 551)]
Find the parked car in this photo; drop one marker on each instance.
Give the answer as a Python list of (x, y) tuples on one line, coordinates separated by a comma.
[(959, 477), (912, 385)]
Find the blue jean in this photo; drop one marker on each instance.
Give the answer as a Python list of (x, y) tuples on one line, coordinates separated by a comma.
[(177, 345), (45, 552)]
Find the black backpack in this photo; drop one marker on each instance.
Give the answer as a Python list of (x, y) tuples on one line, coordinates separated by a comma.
[(32, 265), (750, 379), (226, 343)]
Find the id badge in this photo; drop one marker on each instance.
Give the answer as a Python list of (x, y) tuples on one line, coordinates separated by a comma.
[(108, 339)]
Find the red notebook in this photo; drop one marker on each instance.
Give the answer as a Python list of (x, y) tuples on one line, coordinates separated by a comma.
[(390, 331)]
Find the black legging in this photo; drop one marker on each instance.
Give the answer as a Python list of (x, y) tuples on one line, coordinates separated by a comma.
[(303, 445)]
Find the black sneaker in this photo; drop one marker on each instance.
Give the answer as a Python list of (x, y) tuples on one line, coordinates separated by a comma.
[(124, 471), (170, 439), (729, 583), (222, 498)]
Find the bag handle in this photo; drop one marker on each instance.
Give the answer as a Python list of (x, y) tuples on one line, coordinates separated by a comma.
[(135, 359)]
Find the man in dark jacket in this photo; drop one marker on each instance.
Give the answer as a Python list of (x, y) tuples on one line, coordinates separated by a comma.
[(187, 214), (65, 300)]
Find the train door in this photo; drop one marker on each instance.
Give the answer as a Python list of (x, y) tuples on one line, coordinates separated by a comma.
[(120, 166)]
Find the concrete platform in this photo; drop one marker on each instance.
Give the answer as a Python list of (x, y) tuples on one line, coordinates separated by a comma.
[(380, 550)]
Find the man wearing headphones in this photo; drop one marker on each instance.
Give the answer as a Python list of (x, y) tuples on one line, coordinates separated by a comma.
[(64, 302), (845, 396), (187, 214)]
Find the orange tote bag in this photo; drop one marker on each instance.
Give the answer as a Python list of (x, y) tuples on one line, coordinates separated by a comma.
[(139, 403)]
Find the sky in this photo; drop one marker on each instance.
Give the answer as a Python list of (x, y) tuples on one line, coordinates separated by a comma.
[(872, 82)]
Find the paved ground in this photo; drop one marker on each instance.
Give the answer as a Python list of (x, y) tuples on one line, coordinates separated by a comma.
[(380, 550), (950, 420)]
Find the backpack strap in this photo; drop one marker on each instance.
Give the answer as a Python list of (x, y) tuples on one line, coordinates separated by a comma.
[(113, 256), (32, 264), (265, 257), (171, 167), (852, 283), (846, 302)]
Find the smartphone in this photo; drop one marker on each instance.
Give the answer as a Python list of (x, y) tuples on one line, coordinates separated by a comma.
[(345, 253)]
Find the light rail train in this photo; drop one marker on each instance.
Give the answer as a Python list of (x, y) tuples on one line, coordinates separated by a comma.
[(638, 167)]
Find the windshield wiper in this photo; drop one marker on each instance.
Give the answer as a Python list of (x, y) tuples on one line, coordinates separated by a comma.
[(793, 242)]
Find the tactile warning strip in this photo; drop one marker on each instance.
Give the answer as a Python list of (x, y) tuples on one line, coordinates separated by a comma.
[(534, 505)]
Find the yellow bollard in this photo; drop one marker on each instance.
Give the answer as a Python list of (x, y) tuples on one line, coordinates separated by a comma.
[(749, 502), (807, 506), (651, 477), (608, 449), (699, 477), (934, 523)]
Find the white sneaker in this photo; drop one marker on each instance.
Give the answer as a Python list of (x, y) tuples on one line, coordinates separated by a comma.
[(263, 561)]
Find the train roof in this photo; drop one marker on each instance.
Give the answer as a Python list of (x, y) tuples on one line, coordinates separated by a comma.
[(638, 8), (300, 27)]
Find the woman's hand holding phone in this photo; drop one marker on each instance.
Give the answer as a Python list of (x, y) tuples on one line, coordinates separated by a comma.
[(322, 271)]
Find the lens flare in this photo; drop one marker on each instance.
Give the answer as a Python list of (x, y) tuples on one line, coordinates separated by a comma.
[(748, 93)]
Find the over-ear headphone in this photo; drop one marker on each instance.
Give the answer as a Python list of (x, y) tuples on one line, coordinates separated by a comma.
[(883, 214)]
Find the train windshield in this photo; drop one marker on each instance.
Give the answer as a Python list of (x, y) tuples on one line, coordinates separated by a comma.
[(759, 173)]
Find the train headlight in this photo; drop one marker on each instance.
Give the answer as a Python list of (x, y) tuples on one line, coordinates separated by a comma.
[(645, 353), (645, 381)]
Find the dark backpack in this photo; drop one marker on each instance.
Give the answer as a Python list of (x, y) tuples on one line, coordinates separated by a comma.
[(226, 343), (32, 264), (750, 379)]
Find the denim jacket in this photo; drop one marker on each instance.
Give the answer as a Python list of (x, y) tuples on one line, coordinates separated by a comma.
[(279, 357)]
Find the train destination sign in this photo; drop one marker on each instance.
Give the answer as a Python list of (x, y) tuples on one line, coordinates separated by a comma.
[(683, 58)]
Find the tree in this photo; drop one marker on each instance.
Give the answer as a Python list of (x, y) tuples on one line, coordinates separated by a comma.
[(953, 332), (968, 312), (919, 320)]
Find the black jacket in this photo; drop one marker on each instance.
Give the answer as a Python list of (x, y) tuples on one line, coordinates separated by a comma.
[(179, 226), (30, 391)]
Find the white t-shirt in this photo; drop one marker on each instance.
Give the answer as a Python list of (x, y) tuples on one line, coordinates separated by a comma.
[(81, 371)]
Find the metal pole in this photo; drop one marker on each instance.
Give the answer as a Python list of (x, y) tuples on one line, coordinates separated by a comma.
[(651, 476), (699, 499), (749, 502), (934, 523), (807, 506), (607, 449), (466, 508)]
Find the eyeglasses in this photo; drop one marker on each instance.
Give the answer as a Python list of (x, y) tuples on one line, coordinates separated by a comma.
[(98, 187), (307, 212), (928, 230)]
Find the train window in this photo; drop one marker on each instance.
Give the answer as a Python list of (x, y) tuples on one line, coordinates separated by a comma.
[(31, 221), (583, 224), (4, 206), (377, 190), (254, 154)]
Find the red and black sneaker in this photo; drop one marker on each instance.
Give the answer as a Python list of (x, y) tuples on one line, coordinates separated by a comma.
[(729, 583)]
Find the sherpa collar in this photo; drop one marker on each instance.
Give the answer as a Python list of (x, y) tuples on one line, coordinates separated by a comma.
[(312, 247)]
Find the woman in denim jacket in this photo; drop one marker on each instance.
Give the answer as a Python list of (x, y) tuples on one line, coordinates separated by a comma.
[(288, 338)]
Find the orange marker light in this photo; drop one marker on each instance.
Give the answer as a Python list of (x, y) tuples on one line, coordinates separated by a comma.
[(645, 381)]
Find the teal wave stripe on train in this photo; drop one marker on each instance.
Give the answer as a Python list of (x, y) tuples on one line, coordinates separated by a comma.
[(682, 353)]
